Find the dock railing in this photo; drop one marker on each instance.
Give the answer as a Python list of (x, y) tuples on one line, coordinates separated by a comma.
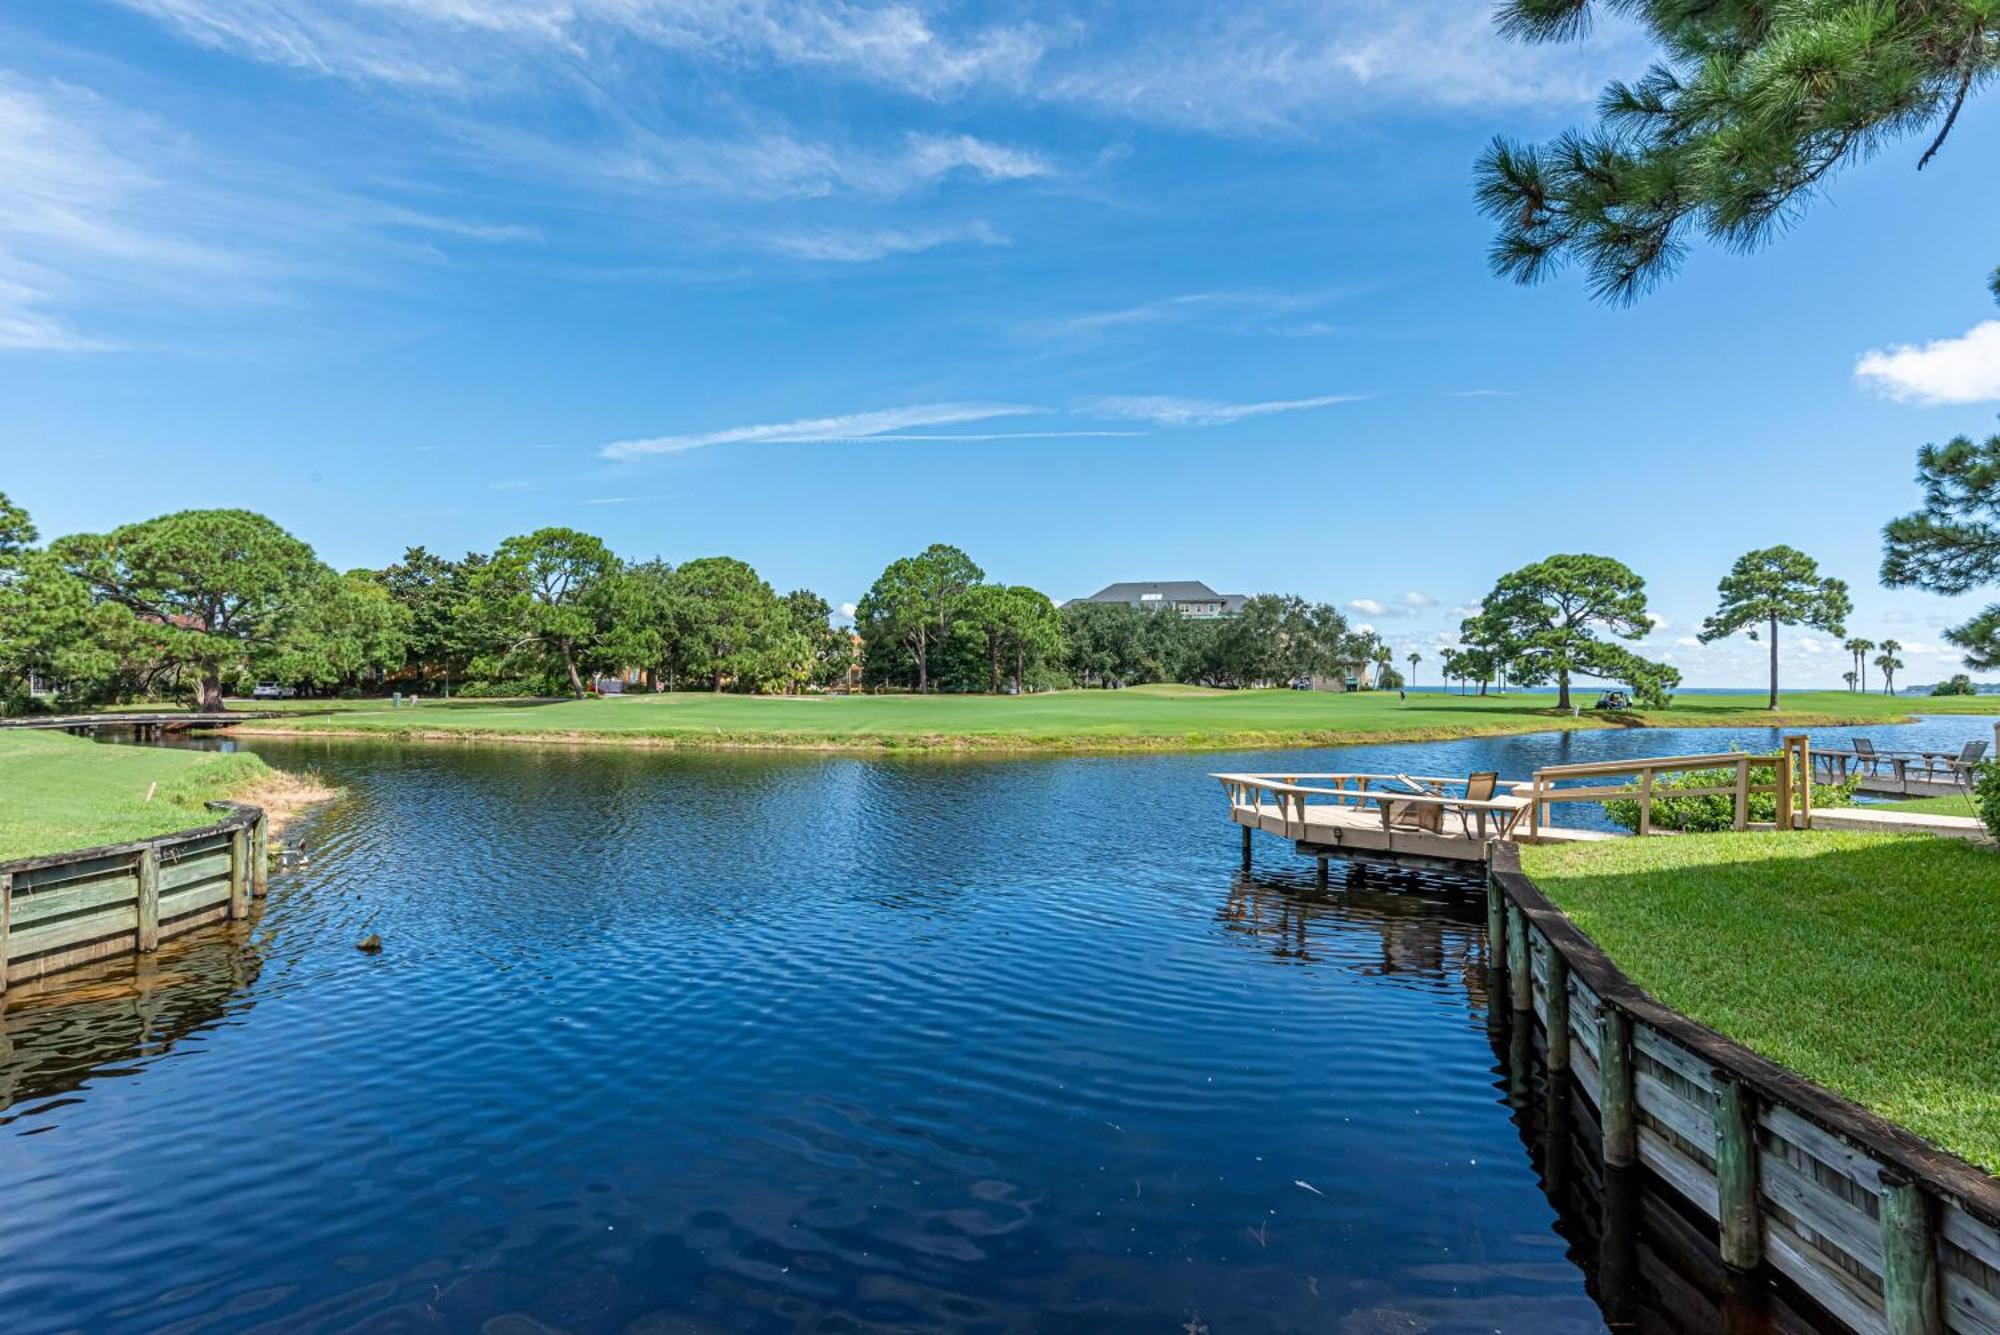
[(1291, 794), (1793, 786)]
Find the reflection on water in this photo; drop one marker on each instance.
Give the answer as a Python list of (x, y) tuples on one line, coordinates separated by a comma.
[(757, 1043)]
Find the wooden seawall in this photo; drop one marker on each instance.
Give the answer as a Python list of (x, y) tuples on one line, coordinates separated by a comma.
[(70, 909), (1882, 1229)]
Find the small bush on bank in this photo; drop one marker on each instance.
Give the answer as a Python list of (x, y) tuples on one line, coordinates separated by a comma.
[(1715, 812), (1986, 796)]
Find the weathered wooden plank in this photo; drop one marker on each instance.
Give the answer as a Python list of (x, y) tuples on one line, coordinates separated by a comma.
[(55, 961), (1848, 1298), (1659, 1048), (1812, 1206), (201, 915), (75, 897), (50, 880), (1587, 1077), (1660, 1100), (193, 898), (1693, 1180), (1969, 1309), (1520, 982), (1847, 1160), (1972, 1235), (192, 871), (6, 925), (74, 931)]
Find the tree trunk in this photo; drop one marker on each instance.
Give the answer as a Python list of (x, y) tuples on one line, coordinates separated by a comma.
[(993, 667), (1020, 671), (923, 664), (575, 678), (1774, 662), (211, 692), (1562, 689)]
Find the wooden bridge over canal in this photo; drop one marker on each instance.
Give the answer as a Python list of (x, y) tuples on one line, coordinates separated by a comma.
[(147, 727)]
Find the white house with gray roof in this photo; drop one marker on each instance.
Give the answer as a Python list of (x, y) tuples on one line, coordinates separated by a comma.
[(1189, 597)]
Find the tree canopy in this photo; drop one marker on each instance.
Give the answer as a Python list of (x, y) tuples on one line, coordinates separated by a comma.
[(1952, 544), (214, 590), (1544, 619), (1773, 587), (914, 602), (547, 598), (1750, 110)]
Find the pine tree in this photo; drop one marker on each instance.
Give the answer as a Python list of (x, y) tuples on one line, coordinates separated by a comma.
[(1778, 586), (1749, 112)]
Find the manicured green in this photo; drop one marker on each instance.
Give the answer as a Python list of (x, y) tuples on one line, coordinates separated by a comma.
[(1148, 718), (59, 792), (1868, 963)]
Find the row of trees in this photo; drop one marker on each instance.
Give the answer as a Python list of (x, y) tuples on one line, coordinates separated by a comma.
[(198, 602), (1565, 617)]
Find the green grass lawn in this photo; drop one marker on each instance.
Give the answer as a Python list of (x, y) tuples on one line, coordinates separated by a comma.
[(59, 792), (1868, 963), (1147, 717), (1958, 804)]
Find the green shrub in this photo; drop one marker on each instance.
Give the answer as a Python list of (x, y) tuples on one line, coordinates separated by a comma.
[(1986, 796), (1714, 812), (504, 688)]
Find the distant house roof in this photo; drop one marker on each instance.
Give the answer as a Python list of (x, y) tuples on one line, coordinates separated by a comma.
[(1166, 591)]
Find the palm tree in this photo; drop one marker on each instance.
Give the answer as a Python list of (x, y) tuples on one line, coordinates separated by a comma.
[(1415, 658), (1860, 648), (1384, 656), (1888, 662), (1849, 677)]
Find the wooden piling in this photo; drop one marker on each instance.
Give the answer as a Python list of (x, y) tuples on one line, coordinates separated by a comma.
[(1910, 1303), (6, 925), (1742, 794), (1496, 924), (239, 875), (1617, 1112), (1520, 963), (1739, 1218), (1319, 873), (149, 898), (260, 856), (1556, 1016), (1246, 848)]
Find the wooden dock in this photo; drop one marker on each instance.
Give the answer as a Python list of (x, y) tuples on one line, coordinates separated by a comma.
[(1398, 818)]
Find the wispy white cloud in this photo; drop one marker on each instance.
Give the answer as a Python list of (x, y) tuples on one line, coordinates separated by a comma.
[(1965, 369), (1246, 311), (860, 247), (1181, 62), (1418, 601), (877, 424), (1170, 411), (1368, 606)]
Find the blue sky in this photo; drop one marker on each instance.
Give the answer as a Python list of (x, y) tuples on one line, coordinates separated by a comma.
[(1094, 291)]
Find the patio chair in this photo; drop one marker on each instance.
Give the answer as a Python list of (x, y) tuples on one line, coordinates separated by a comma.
[(1865, 757), (1426, 816), (1959, 768)]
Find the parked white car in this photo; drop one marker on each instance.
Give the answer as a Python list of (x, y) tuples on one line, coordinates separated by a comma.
[(271, 690)]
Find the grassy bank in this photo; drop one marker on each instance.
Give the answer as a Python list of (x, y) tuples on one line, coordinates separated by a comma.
[(1958, 804), (59, 792), (1143, 718), (1868, 963)]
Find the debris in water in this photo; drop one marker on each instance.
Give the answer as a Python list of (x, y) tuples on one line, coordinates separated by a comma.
[(371, 944), (1308, 1186)]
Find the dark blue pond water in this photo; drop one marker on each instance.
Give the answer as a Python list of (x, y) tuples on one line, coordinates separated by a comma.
[(754, 1044)]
